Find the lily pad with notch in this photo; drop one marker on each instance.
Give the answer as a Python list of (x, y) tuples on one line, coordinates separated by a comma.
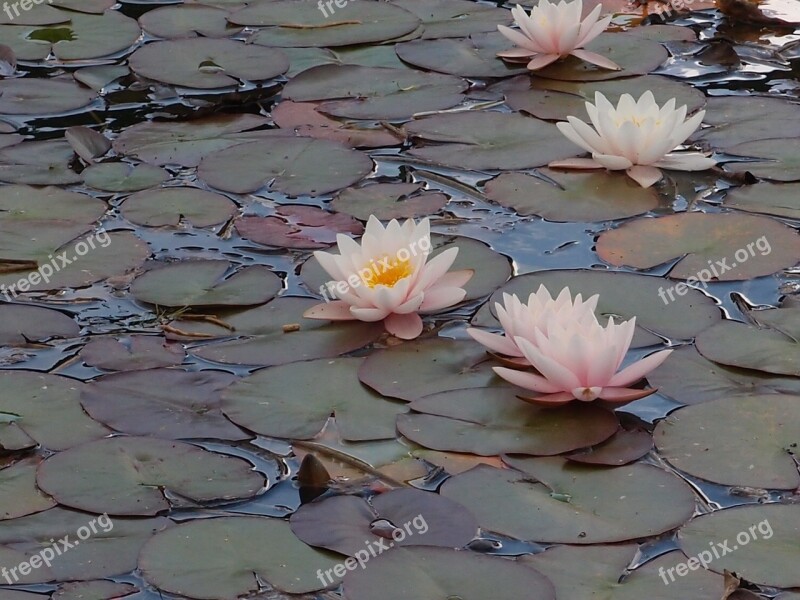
[(188, 21), (169, 206), (297, 226), (389, 201), (120, 177), (20, 325), (19, 495), (30, 96)]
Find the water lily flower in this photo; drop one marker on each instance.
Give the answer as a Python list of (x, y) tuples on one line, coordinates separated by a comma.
[(580, 362), (388, 278), (637, 137), (522, 320), (553, 31)]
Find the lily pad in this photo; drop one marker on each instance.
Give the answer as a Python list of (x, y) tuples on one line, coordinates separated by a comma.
[(366, 56), (23, 203), (768, 556), (20, 325), (750, 347), (775, 159), (491, 421), (291, 165), (374, 92), (206, 283), (389, 201), (346, 524), (743, 441), (97, 78), (38, 163), (169, 560), (446, 573), (624, 447), (454, 18), (188, 21), (728, 247), (489, 140), (786, 320), (19, 495), (170, 205), (301, 227), (122, 177), (295, 401), (130, 475), (134, 353), (781, 200), (622, 295), (87, 143), (557, 501), (580, 197), (43, 14), (42, 96), (296, 23), (94, 590), (163, 403)]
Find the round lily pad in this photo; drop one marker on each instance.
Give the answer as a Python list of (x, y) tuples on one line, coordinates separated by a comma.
[(99, 77), (171, 205), (404, 517), (728, 247), (773, 159), (94, 590), (781, 200), (786, 319), (38, 163), (743, 441), (206, 283), (624, 447), (374, 92), (123, 177), (130, 475), (302, 227), (455, 18), (389, 201), (758, 543), (31, 96), (255, 548), (557, 501), (293, 166), (207, 63), (188, 21), (750, 347), (21, 325), (19, 495), (296, 400), (134, 353), (572, 196), (21, 203), (489, 140), (163, 403)]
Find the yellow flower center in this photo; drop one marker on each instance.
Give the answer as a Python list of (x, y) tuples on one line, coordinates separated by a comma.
[(386, 272)]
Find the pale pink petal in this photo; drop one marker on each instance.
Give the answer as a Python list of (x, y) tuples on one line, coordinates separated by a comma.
[(590, 29), (560, 375), (519, 39), (529, 381), (435, 269), (569, 131), (596, 59), (575, 163), (411, 305), (687, 161), (406, 327), (390, 297), (494, 342), (369, 314), (516, 53), (634, 372), (612, 162), (331, 311), (438, 297), (328, 262), (645, 176), (593, 142), (621, 394), (549, 400), (542, 60), (456, 278)]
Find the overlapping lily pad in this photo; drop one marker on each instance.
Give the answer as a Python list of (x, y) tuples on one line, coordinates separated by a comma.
[(622, 448), (42, 96), (750, 347), (781, 200), (19, 495), (295, 401), (38, 163), (137, 352), (773, 159), (188, 21), (171, 205), (302, 227), (742, 118), (728, 247), (491, 421), (123, 177), (169, 560), (454, 18), (20, 325), (745, 441), (164, 403), (558, 501), (130, 475), (96, 590), (389, 201)]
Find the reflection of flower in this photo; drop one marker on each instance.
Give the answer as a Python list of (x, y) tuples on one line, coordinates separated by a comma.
[(522, 320), (553, 31), (387, 278), (636, 136), (577, 358)]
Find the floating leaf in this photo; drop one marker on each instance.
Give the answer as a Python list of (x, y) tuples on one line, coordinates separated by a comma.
[(774, 159), (122, 177), (738, 119), (19, 495), (781, 200), (302, 227), (99, 77), (171, 205), (750, 347), (42, 96), (389, 201), (188, 21), (20, 324), (624, 447), (87, 143), (137, 352), (38, 163), (455, 18), (94, 590)]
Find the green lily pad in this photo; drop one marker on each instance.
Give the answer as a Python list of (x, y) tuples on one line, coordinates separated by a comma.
[(188, 21), (171, 205), (750, 347), (374, 92), (38, 163), (20, 325), (580, 197), (781, 200), (366, 56), (130, 475), (111, 548), (445, 573), (50, 410), (489, 140), (99, 77), (19, 495), (163, 403), (768, 556), (743, 441), (622, 448), (21, 203), (293, 166), (301, 227), (775, 159), (622, 295), (94, 590), (296, 23), (557, 501), (42, 14), (42, 96), (786, 320), (122, 177), (207, 63), (169, 560), (601, 573), (268, 337), (491, 421), (206, 283), (87, 143), (688, 378), (726, 246), (389, 201), (454, 18), (295, 401), (133, 353)]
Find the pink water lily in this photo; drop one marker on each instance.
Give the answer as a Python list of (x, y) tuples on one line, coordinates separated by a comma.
[(388, 278), (523, 320), (553, 31), (636, 136)]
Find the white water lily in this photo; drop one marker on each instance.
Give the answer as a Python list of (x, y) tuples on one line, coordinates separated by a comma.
[(580, 361), (637, 137), (553, 31), (523, 320), (388, 278)]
